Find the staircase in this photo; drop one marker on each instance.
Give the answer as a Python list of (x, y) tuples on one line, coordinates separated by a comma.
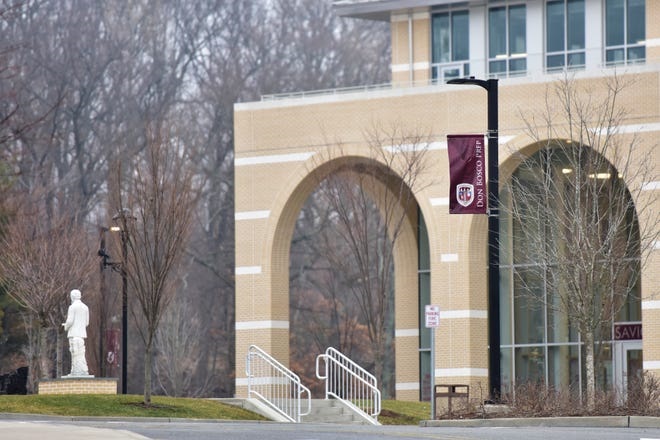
[(332, 411)]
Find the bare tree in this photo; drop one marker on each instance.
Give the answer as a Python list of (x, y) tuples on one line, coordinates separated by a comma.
[(385, 180), (91, 74), (575, 207), (293, 45), (178, 342), (156, 208), (44, 257)]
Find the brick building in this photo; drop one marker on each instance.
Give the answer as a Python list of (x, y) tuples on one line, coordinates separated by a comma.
[(440, 258)]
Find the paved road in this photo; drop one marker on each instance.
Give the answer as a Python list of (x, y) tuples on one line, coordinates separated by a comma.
[(131, 430)]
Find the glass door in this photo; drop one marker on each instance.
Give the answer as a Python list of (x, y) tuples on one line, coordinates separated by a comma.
[(628, 360)]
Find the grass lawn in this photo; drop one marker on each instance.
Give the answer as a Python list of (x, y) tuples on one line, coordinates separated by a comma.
[(393, 412), (122, 406)]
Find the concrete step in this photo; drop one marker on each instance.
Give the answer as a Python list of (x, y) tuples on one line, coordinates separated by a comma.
[(331, 411)]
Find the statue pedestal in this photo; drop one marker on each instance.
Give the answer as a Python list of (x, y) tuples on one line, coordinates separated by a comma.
[(78, 385)]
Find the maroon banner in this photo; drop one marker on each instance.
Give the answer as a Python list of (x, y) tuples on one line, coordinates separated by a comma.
[(467, 174), (112, 346)]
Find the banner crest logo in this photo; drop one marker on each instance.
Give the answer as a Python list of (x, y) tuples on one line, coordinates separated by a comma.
[(465, 194)]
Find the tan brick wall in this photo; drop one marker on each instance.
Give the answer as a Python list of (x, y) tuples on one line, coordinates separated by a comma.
[(303, 131), (78, 386), (652, 30), (406, 29)]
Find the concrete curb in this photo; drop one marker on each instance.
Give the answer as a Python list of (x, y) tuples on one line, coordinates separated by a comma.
[(52, 418), (568, 422)]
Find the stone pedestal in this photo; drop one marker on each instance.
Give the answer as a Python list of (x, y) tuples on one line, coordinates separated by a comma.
[(78, 385)]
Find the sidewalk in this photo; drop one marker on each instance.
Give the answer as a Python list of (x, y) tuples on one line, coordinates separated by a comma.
[(569, 422), (52, 430)]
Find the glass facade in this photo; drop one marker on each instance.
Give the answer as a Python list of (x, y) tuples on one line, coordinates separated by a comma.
[(538, 340), (507, 40), (450, 44), (565, 34), (625, 31), (564, 46)]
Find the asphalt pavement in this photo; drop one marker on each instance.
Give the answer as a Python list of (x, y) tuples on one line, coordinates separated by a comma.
[(30, 427)]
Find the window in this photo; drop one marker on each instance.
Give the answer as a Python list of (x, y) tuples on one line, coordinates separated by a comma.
[(565, 34), (450, 45), (539, 340), (625, 31), (507, 40)]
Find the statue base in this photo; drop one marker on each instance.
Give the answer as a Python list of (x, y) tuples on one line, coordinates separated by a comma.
[(78, 385)]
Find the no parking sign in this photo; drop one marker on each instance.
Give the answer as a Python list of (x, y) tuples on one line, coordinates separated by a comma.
[(432, 316)]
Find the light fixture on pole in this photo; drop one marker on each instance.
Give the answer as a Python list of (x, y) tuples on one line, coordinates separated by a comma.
[(494, 371)]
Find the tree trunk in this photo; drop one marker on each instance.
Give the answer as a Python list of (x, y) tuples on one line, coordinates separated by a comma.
[(42, 353), (590, 368), (59, 344), (148, 352), (34, 364)]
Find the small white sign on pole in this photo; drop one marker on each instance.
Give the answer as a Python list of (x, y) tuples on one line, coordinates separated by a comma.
[(432, 321), (432, 315)]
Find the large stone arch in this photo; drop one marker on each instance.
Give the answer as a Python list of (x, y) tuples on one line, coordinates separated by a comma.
[(529, 148), (262, 309)]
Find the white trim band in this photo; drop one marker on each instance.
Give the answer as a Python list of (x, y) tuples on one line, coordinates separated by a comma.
[(628, 129), (656, 245), (415, 16), (652, 42), (406, 67), (270, 159), (649, 186), (459, 314), (243, 381), (251, 215), (461, 372), (448, 258), (439, 201), (248, 270), (422, 146), (262, 325), (651, 365), (406, 332), (407, 386), (650, 305)]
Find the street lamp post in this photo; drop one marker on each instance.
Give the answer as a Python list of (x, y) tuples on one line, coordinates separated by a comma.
[(124, 314), (121, 223), (121, 266), (494, 372), (104, 262)]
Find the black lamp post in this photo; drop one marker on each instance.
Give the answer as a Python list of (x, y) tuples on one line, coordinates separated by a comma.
[(494, 372), (124, 314), (104, 263), (120, 267), (121, 218)]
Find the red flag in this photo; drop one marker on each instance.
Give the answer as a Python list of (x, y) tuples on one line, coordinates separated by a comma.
[(467, 171)]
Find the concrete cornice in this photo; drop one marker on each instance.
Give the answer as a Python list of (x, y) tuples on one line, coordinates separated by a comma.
[(381, 9)]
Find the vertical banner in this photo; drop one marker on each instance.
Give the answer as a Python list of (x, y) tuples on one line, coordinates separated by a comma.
[(467, 171)]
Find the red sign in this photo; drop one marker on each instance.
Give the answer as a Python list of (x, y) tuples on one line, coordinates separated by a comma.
[(627, 332), (467, 174)]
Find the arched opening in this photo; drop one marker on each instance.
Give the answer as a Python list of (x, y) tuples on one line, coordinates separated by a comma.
[(357, 226), (570, 268)]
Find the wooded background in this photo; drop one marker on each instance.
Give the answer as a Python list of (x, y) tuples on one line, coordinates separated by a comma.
[(81, 85)]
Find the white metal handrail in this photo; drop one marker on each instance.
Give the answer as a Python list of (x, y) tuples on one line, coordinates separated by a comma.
[(275, 385), (351, 384)]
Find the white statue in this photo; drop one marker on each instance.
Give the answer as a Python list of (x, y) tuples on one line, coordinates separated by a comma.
[(77, 319)]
